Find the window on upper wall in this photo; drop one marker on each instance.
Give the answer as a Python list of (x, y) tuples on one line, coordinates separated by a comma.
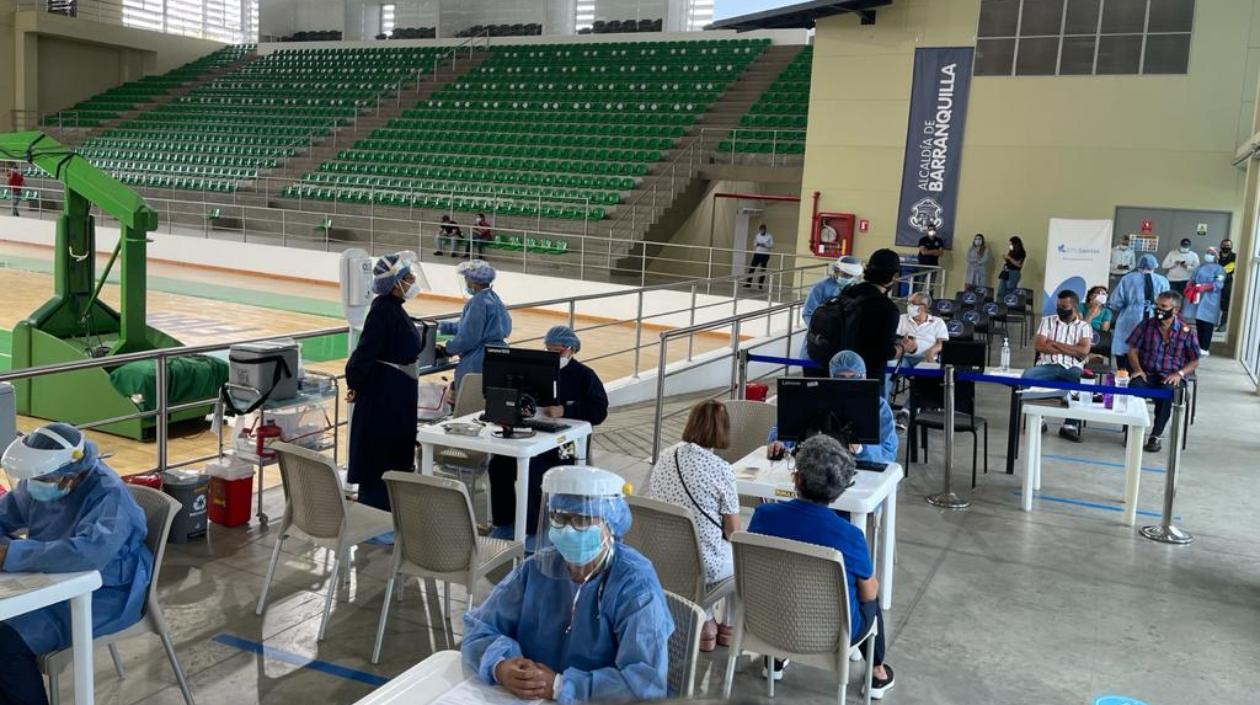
[(388, 11), (1083, 37)]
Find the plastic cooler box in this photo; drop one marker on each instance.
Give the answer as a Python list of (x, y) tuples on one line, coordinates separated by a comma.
[(231, 488)]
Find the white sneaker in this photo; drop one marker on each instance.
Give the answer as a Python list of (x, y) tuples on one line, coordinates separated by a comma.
[(779, 667), (1205, 353)]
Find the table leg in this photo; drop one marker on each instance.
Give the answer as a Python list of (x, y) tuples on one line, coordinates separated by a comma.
[(859, 520), (1012, 433), (81, 640), (426, 458), (888, 547), (1032, 470), (1132, 474), (522, 497)]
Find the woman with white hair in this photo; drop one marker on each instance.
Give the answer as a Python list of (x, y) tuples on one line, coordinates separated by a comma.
[(381, 377), (484, 320)]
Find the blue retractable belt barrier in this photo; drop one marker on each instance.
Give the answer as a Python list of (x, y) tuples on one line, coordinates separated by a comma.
[(1145, 393)]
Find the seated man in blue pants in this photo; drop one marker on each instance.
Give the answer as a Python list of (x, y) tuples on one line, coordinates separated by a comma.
[(1062, 346)]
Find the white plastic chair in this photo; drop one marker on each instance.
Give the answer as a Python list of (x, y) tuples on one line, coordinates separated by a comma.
[(316, 506), (435, 537), (792, 602), (159, 514), (456, 461), (684, 644), (750, 426), (666, 535)]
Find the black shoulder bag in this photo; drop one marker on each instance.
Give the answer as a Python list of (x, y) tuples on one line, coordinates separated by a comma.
[(678, 469)]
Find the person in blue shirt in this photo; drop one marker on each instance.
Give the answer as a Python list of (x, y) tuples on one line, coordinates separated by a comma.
[(78, 516), (381, 379), (1208, 280), (847, 364), (824, 470), (843, 272), (1133, 301), (584, 618), (484, 320)]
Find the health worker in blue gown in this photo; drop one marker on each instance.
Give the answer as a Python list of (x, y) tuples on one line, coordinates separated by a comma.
[(1132, 301), (381, 376), (843, 272), (78, 516), (484, 320), (584, 618)]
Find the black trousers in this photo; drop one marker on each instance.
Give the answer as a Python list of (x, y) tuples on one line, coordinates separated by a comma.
[(871, 612), (759, 262), (1163, 407), (20, 680), (1179, 287), (502, 474), (1205, 329)]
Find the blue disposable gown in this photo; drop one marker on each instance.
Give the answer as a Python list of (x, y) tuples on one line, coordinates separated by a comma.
[(1128, 301), (383, 429), (885, 452), (98, 526), (618, 647), (484, 321), (1208, 307)]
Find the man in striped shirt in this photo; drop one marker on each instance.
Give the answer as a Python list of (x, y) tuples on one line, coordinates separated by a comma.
[(1163, 349), (1062, 344)]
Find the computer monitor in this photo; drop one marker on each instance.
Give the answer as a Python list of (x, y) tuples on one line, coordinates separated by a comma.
[(846, 409), (964, 354), (533, 372)]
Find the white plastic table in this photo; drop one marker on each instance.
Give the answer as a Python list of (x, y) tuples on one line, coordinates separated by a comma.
[(758, 476), (76, 588), (430, 436), (1134, 415), (422, 683)]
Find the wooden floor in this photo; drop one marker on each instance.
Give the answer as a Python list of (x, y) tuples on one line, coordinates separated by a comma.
[(201, 307)]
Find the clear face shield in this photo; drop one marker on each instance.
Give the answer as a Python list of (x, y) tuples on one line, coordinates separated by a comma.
[(583, 515)]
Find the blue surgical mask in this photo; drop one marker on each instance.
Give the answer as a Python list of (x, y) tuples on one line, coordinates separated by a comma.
[(42, 491), (1209, 258), (470, 291), (577, 546)]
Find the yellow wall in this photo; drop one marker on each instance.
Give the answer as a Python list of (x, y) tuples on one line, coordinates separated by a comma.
[(1035, 147), (712, 224)]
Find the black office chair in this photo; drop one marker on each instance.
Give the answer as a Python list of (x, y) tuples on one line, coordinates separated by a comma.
[(968, 299), (984, 292), (1100, 346), (998, 327), (979, 322), (1017, 312), (943, 308), (960, 330), (927, 411)]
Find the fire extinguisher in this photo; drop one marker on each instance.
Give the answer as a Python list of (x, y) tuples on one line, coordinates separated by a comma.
[(264, 434)]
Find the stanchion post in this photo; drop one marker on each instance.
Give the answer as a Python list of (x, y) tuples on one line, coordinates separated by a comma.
[(947, 499), (741, 384), (1164, 531)]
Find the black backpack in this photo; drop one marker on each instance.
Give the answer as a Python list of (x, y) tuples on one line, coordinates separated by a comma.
[(835, 326)]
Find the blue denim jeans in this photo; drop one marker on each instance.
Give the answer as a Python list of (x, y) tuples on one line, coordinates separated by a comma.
[(1009, 284), (1053, 373)]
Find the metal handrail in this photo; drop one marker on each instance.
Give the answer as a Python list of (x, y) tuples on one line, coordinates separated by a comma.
[(711, 144), (631, 207)]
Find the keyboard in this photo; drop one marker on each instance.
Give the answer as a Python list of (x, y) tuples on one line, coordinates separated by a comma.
[(546, 426), (871, 466)]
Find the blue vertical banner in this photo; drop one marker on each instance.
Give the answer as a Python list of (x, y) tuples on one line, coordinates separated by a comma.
[(934, 140)]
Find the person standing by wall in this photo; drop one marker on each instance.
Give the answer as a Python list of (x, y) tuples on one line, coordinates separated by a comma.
[(1179, 264), (16, 182), (1228, 261), (1012, 267), (931, 247), (1203, 298), (978, 257), (1163, 350), (1133, 302), (763, 245)]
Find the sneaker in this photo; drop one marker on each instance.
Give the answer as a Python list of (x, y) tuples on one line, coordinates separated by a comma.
[(1070, 432), (881, 686), (437, 254), (1153, 445), (1205, 353), (780, 665), (1044, 426)]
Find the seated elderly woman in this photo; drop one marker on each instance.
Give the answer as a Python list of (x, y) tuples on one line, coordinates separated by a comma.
[(824, 470), (583, 619), (849, 365)]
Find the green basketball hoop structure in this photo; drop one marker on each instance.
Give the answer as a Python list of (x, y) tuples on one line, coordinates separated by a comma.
[(75, 324)]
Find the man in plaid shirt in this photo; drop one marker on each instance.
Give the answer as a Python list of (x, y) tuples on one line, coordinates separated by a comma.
[(1163, 349)]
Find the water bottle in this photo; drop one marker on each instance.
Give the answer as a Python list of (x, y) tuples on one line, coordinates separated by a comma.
[(1121, 402), (1006, 354)]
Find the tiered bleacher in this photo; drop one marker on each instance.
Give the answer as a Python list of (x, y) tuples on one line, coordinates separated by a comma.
[(502, 30), (120, 99), (623, 26), (776, 122), (575, 125), (225, 132)]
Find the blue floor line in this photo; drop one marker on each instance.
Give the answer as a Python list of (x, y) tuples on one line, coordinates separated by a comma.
[(1091, 461), (1093, 505), (275, 654)]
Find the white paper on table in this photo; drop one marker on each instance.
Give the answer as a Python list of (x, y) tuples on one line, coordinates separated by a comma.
[(14, 585), (470, 692)]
